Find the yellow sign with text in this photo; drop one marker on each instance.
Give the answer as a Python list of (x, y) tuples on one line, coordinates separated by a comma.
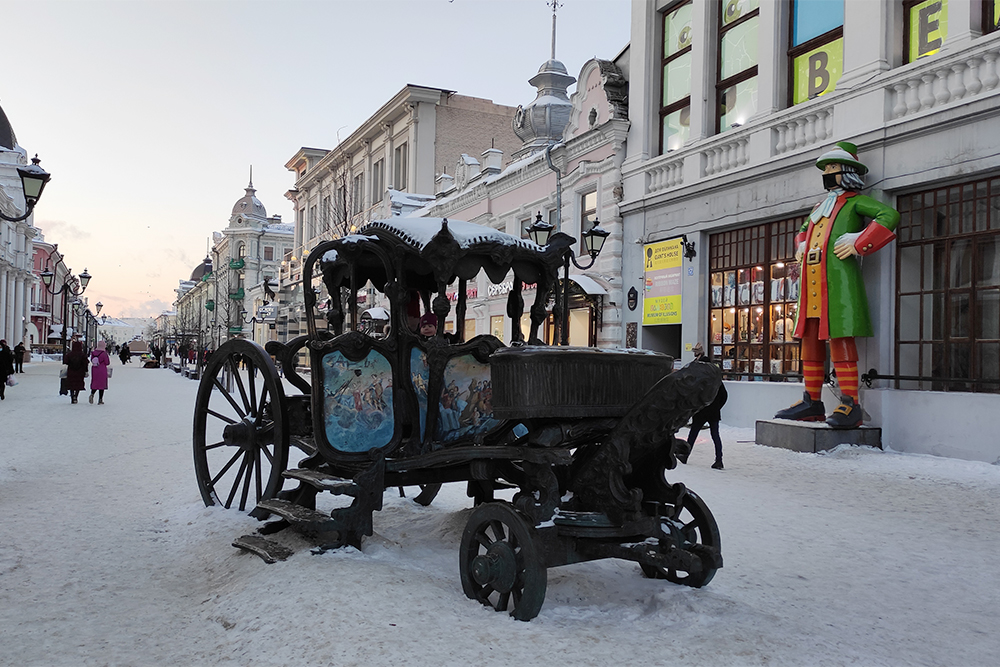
[(817, 72), (661, 295)]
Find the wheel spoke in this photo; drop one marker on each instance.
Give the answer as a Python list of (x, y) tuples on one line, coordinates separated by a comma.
[(243, 390), (246, 481), (252, 371), (229, 398), (220, 416), (216, 445), (498, 531), (268, 454), (225, 469), (256, 461), (484, 539), (261, 403), (236, 483), (502, 602)]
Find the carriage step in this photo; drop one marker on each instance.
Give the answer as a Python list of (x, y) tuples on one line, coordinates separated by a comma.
[(270, 551), (293, 513), (324, 482)]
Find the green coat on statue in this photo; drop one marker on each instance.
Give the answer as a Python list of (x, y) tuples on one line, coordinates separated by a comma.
[(845, 305)]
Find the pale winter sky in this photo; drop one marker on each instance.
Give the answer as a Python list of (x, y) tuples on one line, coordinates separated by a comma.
[(149, 113)]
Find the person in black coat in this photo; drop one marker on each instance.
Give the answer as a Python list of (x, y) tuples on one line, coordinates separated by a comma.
[(711, 414), (19, 358), (6, 366)]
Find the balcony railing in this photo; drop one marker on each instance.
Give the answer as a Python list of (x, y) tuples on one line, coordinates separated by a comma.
[(893, 96)]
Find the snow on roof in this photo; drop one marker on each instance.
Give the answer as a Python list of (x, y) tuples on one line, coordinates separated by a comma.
[(419, 232)]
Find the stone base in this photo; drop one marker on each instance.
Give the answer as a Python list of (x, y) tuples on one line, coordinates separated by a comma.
[(813, 436)]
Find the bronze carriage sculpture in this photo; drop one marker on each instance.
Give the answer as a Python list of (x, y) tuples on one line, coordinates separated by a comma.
[(585, 436)]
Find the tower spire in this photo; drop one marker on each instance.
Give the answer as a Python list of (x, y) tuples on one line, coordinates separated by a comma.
[(251, 176), (555, 4)]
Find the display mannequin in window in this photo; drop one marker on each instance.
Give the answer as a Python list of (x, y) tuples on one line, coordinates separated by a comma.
[(832, 302)]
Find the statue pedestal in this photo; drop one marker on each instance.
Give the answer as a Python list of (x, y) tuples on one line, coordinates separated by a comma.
[(813, 436)]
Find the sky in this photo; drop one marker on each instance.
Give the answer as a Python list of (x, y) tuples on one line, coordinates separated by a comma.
[(150, 113)]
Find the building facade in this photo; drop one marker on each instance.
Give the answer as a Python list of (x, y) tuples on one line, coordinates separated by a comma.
[(731, 104), (16, 251), (388, 166), (568, 170), (227, 294)]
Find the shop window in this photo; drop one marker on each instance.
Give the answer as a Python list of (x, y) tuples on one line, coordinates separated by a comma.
[(926, 27), (496, 326), (948, 288), (753, 297), (816, 48), (675, 79), (737, 78)]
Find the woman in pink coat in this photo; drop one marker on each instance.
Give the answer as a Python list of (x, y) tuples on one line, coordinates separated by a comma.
[(99, 364)]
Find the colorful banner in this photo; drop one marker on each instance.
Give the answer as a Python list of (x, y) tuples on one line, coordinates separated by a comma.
[(928, 28), (817, 72), (661, 298)]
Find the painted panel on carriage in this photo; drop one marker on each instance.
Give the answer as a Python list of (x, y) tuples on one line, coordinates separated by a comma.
[(420, 374), (465, 407), (357, 402)]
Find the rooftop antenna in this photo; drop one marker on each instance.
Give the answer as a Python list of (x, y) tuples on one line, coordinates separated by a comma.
[(555, 4)]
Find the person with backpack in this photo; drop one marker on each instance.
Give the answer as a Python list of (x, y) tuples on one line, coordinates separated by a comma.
[(711, 414)]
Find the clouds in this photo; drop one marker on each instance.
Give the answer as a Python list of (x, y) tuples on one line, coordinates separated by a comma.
[(60, 231)]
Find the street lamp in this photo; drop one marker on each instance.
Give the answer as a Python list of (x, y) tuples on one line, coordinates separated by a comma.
[(67, 288), (33, 180), (593, 242)]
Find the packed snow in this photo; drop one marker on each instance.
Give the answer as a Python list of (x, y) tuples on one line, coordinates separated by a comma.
[(109, 557)]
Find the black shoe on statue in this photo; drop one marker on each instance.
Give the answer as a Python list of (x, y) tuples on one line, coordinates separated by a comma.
[(845, 415), (718, 465), (806, 410)]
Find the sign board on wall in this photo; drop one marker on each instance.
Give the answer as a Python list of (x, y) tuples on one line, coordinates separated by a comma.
[(661, 294)]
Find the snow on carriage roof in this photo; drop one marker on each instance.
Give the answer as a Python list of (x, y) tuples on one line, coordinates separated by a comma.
[(419, 232)]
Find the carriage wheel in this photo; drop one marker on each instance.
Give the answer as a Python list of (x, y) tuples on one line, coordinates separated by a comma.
[(500, 563), (698, 526), (240, 429)]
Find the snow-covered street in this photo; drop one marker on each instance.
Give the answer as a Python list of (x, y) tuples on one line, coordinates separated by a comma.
[(109, 557)]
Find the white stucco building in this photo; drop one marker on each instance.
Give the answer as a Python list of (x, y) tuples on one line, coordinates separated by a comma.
[(568, 170), (731, 103), (16, 250)]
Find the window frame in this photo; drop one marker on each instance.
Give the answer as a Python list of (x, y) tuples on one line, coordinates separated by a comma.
[(400, 159), (673, 107), (735, 79), (991, 16), (759, 247), (378, 180), (918, 228), (269, 249)]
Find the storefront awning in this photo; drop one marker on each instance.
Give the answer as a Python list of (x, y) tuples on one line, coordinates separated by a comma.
[(588, 285), (376, 313)]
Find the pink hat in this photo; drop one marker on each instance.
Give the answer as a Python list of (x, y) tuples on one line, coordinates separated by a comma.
[(428, 318)]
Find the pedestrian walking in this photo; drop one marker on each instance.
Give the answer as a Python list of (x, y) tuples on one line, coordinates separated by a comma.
[(711, 414), (19, 357), (6, 367), (124, 354), (76, 371), (100, 371)]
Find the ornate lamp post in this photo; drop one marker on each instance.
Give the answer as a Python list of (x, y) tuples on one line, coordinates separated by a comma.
[(33, 180), (66, 289), (593, 241)]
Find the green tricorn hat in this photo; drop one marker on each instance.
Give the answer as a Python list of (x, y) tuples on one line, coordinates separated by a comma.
[(844, 153)]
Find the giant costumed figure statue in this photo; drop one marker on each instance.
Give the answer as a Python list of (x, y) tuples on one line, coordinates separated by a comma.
[(832, 302)]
